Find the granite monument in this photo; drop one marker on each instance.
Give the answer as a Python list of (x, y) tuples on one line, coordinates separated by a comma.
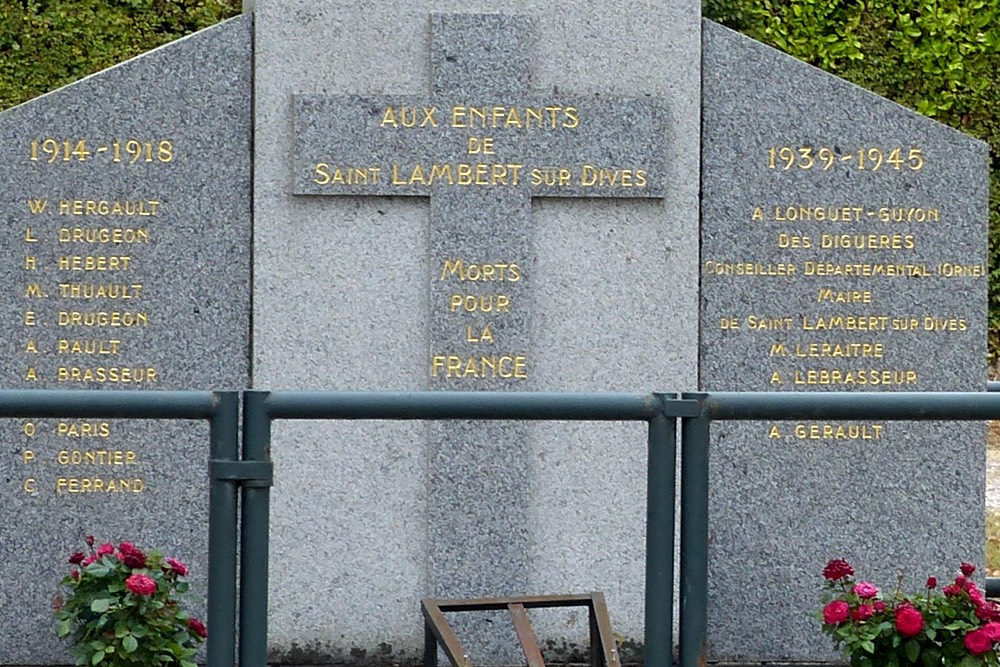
[(489, 196)]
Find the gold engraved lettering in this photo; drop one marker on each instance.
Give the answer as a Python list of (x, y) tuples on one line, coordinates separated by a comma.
[(37, 206), (108, 374), (551, 176), (714, 268), (94, 262), (466, 271), (494, 116), (846, 431), (868, 241), (482, 145), (949, 270), (100, 291), (102, 318), (83, 429), (34, 290), (818, 213), (860, 377), (30, 263), (87, 346), (473, 303), (827, 295), (28, 456), (28, 238), (866, 270), (103, 235), (945, 324), (769, 323), (911, 214), (497, 366), (846, 323), (141, 208), (31, 375), (96, 457), (327, 175), (31, 347), (29, 318), (29, 485), (612, 177), (484, 336), (790, 241), (463, 174), (852, 350), (99, 485), (409, 117)]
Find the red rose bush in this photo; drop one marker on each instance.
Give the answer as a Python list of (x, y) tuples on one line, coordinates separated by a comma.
[(123, 609), (956, 627)]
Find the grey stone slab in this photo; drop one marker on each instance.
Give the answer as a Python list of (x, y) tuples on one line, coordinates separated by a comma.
[(458, 508), (843, 249), (133, 258)]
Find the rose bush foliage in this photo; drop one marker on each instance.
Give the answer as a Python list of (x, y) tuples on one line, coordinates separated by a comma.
[(122, 608), (956, 627)]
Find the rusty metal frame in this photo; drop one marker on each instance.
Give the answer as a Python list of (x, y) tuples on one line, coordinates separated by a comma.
[(437, 631)]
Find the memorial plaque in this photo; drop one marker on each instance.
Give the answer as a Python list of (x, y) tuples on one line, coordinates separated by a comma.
[(843, 249), (482, 206), (480, 147), (126, 209)]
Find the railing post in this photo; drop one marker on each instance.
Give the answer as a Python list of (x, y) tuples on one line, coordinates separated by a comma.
[(222, 539), (661, 481), (694, 539), (254, 534)]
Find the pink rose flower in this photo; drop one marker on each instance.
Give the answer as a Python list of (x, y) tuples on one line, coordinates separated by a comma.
[(977, 642), (131, 556), (862, 613), (177, 566), (76, 558), (105, 549), (931, 582), (197, 627), (992, 631), (967, 569), (838, 568), (951, 590), (865, 590), (88, 560), (879, 606), (836, 612), (909, 621), (140, 584)]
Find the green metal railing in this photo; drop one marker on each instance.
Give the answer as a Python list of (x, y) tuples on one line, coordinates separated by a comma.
[(251, 475), (660, 411), (696, 411), (221, 409)]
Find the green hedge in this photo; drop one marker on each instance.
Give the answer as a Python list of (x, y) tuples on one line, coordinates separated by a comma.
[(940, 57), (45, 44)]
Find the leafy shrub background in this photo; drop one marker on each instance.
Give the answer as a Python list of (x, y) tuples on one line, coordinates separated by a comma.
[(940, 57), (45, 44)]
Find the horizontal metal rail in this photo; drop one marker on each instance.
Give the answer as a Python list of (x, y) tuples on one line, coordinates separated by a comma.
[(121, 404), (472, 405), (905, 406)]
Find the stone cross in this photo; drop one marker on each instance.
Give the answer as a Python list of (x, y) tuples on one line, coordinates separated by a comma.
[(481, 146)]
